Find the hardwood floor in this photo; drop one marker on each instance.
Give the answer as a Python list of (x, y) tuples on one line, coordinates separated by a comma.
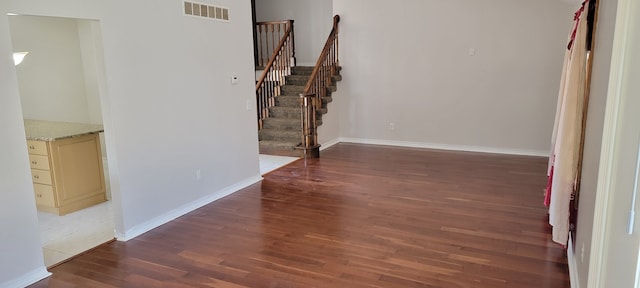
[(360, 216)]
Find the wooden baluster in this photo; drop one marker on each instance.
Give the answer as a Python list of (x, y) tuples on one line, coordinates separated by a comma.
[(323, 82), (336, 40), (271, 90), (259, 43), (258, 109), (283, 71), (278, 57), (280, 65), (293, 44), (273, 39), (289, 55), (286, 55), (265, 96), (267, 54), (266, 44), (334, 67), (262, 101), (283, 67)]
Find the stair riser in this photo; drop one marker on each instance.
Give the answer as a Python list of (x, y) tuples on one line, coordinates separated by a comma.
[(292, 90), (290, 125), (297, 80), (277, 113), (302, 71), (288, 101), (302, 80), (293, 137), (280, 113), (294, 102)]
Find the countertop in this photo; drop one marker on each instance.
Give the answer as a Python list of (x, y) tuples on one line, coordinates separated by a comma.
[(52, 130)]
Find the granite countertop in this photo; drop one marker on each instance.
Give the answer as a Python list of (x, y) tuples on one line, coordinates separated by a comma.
[(51, 130)]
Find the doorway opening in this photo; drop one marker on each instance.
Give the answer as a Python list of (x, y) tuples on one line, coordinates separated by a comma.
[(62, 80)]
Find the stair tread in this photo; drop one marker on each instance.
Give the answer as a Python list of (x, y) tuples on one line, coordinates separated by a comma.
[(292, 109), (278, 143), (280, 120), (279, 131)]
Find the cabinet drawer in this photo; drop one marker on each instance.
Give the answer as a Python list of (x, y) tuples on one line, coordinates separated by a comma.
[(41, 176), (44, 195), (37, 147), (39, 162)]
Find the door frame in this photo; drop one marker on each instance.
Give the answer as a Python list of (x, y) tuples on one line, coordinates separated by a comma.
[(623, 34)]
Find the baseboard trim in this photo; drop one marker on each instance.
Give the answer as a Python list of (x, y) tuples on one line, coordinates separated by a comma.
[(329, 144), (184, 209), (573, 270), (28, 278), (408, 144)]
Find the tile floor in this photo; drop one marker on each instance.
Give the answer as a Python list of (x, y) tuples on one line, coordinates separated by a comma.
[(269, 163), (66, 236)]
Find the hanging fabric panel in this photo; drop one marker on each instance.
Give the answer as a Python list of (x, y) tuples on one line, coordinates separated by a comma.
[(567, 131)]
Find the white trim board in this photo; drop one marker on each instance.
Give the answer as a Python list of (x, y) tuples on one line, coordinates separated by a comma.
[(27, 279), (606, 178), (449, 147), (574, 278), (329, 144), (184, 209)]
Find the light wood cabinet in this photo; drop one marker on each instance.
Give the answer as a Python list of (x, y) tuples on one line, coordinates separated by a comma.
[(67, 174)]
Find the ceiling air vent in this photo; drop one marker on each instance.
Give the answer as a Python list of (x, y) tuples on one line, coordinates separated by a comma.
[(206, 11)]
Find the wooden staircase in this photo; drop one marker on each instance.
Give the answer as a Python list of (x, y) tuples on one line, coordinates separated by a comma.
[(281, 132), (291, 99)]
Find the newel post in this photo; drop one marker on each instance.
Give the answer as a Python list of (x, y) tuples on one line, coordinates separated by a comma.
[(308, 109)]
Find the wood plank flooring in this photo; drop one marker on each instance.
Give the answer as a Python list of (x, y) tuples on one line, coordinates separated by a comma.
[(360, 216)]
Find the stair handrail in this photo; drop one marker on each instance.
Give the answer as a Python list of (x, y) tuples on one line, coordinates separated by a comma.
[(316, 88), (328, 59), (274, 73)]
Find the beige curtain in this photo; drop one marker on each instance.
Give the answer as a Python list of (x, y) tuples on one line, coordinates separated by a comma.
[(567, 132)]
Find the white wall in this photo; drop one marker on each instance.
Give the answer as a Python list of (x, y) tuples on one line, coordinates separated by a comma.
[(91, 47), (312, 23), (170, 111), (21, 248), (329, 131), (593, 137), (408, 62), (51, 78)]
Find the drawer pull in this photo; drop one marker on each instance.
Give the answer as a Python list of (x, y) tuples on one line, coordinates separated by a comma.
[(39, 195), (32, 147), (36, 177), (34, 162)]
